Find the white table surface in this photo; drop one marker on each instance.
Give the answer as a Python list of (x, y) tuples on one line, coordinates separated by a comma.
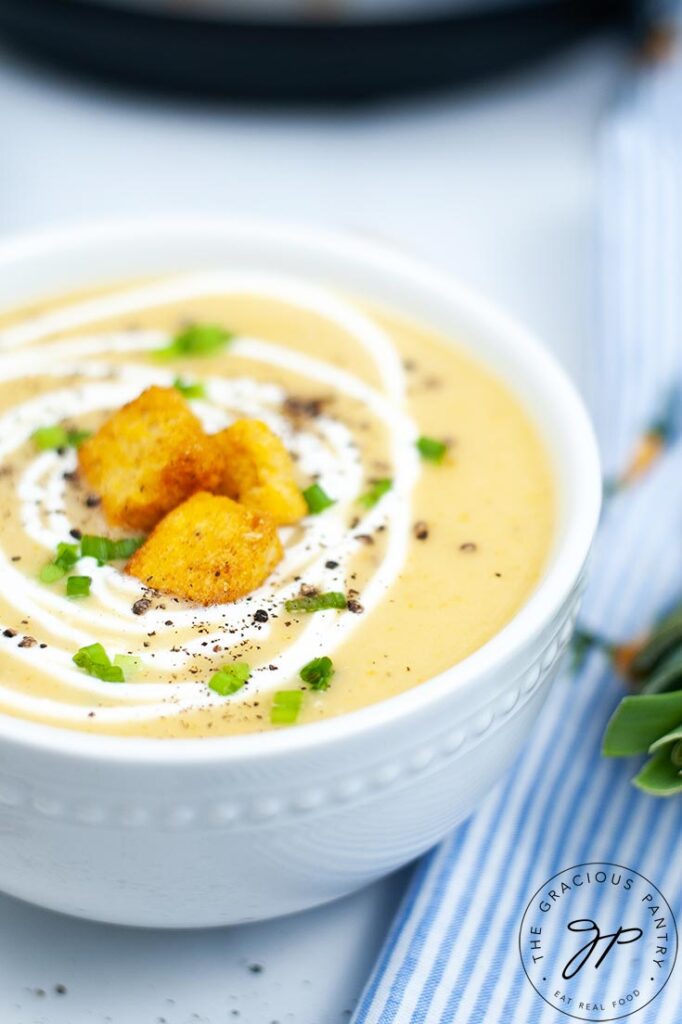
[(496, 185)]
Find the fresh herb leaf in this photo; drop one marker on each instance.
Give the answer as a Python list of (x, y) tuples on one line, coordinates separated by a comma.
[(78, 586), (286, 705), (318, 673), (660, 776), (316, 603), (197, 340), (380, 487), (230, 678), (317, 499), (431, 449), (189, 390), (639, 721)]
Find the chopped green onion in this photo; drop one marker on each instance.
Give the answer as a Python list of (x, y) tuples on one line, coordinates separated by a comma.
[(50, 438), (317, 499), (286, 705), (230, 678), (67, 555), (51, 572), (188, 390), (431, 449), (78, 586), (316, 603), (104, 549), (125, 547), (197, 340), (376, 492), (65, 559), (96, 547), (76, 437), (94, 660), (318, 673), (129, 663)]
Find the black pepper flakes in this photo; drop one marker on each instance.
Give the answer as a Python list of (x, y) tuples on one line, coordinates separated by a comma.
[(28, 641), (468, 546), (92, 501), (421, 530), (354, 606), (76, 533), (331, 564), (9, 632), (261, 615), (142, 605)]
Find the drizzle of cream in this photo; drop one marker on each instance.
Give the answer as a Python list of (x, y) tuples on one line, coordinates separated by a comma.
[(329, 451)]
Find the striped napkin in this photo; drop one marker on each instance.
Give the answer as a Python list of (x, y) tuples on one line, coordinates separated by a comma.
[(454, 951)]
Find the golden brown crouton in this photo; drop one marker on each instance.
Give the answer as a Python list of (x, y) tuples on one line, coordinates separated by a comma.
[(147, 458), (258, 472), (209, 549)]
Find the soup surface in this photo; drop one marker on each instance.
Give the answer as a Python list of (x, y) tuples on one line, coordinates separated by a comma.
[(445, 546)]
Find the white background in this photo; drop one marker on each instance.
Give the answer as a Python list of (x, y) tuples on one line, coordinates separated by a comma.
[(496, 185)]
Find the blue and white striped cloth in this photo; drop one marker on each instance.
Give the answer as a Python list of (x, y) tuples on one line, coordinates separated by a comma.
[(452, 954)]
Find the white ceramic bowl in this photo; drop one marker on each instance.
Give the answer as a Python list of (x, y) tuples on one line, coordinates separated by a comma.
[(212, 831)]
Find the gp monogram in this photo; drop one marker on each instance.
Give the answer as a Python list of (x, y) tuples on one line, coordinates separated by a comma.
[(598, 941)]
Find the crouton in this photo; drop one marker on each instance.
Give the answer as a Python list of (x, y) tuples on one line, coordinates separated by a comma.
[(257, 471), (210, 550), (147, 458)]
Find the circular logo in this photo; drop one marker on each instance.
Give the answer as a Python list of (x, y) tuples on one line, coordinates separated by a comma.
[(598, 941)]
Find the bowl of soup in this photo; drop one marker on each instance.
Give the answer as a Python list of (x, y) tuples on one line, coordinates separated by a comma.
[(294, 534)]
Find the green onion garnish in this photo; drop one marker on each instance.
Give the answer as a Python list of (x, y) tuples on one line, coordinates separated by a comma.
[(230, 678), (380, 487), (286, 705), (78, 586), (128, 663), (65, 559), (94, 660), (431, 450), (188, 390), (316, 603), (104, 549), (95, 547), (197, 340), (318, 673), (317, 499), (50, 438), (125, 547), (50, 573)]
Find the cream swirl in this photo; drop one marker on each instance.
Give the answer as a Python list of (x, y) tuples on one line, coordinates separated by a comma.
[(329, 452)]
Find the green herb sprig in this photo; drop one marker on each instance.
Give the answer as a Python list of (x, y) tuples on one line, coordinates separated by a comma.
[(649, 721)]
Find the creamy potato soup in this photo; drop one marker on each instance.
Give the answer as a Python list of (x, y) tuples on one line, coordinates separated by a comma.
[(428, 509)]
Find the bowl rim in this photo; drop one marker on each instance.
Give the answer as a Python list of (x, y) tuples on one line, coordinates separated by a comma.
[(536, 612)]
